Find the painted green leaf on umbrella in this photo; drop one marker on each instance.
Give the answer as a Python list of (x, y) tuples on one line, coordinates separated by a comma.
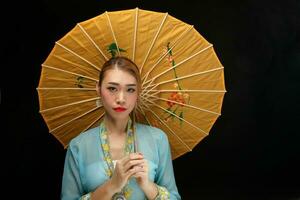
[(113, 49)]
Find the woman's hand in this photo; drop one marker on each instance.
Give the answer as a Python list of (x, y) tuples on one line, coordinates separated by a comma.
[(141, 175), (125, 168), (143, 181), (133, 165)]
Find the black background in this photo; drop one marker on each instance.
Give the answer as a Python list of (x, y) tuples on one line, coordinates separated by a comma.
[(253, 150)]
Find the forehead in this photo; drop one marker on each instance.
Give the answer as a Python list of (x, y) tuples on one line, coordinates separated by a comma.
[(119, 76)]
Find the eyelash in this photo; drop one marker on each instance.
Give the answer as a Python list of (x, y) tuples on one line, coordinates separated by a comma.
[(131, 90), (113, 89)]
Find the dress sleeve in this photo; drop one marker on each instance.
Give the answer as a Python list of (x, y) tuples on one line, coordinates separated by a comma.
[(71, 182), (165, 180)]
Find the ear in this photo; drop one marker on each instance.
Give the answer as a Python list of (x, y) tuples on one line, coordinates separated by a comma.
[(98, 89)]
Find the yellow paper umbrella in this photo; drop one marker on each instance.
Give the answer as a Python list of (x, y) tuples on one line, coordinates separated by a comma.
[(182, 77)]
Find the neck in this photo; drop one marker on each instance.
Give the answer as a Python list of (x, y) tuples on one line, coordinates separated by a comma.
[(115, 126)]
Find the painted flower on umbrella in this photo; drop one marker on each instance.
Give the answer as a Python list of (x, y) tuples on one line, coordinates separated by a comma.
[(176, 97), (176, 101), (175, 104)]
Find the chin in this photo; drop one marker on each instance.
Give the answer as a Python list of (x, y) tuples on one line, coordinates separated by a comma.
[(122, 115)]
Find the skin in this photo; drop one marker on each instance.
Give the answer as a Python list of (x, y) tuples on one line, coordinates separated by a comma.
[(119, 89)]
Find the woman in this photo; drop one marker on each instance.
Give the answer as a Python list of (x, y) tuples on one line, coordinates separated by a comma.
[(104, 162)]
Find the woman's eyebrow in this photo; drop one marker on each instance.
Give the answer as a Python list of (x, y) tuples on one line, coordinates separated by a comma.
[(133, 84), (117, 84), (113, 83)]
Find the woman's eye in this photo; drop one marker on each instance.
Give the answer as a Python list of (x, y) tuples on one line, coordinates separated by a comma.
[(131, 90), (112, 89)]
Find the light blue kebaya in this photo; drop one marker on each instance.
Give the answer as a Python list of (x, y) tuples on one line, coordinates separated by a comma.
[(88, 163)]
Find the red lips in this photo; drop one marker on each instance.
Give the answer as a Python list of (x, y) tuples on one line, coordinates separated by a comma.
[(119, 109)]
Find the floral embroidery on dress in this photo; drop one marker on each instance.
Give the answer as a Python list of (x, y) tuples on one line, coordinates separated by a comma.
[(129, 148), (163, 193), (86, 197)]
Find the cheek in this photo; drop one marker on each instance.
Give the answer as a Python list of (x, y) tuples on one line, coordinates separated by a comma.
[(106, 96), (133, 98)]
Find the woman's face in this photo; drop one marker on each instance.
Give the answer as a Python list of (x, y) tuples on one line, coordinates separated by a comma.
[(118, 93)]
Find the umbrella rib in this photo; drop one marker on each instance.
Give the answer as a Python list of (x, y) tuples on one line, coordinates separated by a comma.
[(145, 92), (92, 41), (183, 104), (72, 52), (142, 105), (144, 115), (144, 102), (150, 96), (54, 88), (200, 91), (69, 62), (153, 41), (176, 79), (164, 55), (162, 121), (69, 104), (171, 113), (89, 126), (66, 123), (68, 72), (112, 31), (135, 33), (187, 76), (178, 64)]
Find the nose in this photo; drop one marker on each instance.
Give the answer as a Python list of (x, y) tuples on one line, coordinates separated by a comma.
[(121, 98)]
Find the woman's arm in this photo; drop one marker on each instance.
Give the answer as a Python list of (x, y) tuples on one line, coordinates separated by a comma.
[(164, 178), (72, 188), (105, 191), (71, 181)]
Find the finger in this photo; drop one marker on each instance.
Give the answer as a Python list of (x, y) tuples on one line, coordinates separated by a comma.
[(133, 171), (144, 164), (119, 166), (133, 163), (139, 172), (137, 175), (132, 156), (142, 174)]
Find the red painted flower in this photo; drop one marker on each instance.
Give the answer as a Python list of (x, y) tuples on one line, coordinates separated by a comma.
[(175, 96)]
